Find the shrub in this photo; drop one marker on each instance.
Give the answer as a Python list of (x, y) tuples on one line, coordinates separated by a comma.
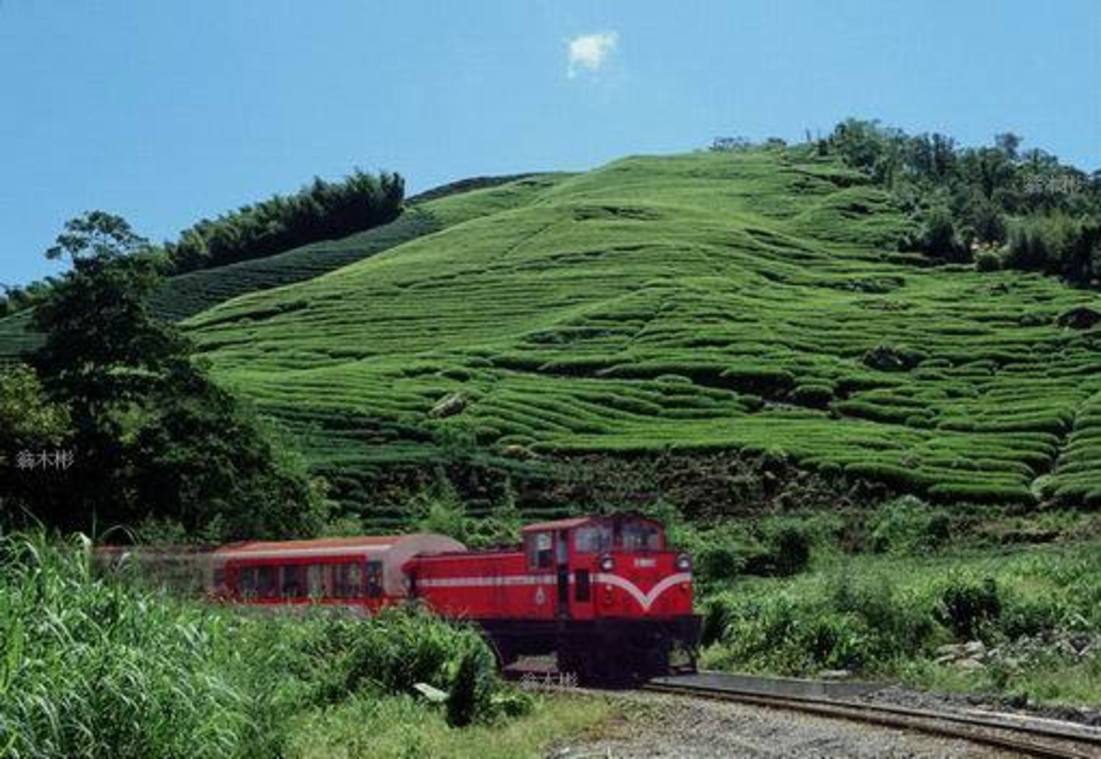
[(966, 607), (987, 261), (908, 525), (1030, 616), (938, 237), (817, 396), (891, 358), (471, 688)]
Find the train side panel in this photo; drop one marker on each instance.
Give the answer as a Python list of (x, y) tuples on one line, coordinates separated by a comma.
[(483, 586)]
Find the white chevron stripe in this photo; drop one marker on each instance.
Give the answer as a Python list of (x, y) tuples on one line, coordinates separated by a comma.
[(645, 600)]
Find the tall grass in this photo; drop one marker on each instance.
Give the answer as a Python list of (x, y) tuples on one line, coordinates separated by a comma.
[(91, 666), (92, 669)]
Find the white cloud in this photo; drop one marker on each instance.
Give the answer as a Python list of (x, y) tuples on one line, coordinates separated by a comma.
[(589, 51)]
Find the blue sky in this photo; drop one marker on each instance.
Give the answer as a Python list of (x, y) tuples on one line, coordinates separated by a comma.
[(168, 111)]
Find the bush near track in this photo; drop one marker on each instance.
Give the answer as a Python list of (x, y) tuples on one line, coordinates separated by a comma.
[(97, 667)]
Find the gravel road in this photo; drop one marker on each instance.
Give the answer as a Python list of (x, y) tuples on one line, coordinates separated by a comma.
[(657, 725)]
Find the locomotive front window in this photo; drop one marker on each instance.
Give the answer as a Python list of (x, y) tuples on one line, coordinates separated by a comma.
[(639, 536), (594, 539), (540, 550)]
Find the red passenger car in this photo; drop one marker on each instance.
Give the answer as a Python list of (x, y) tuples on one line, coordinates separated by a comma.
[(602, 592)]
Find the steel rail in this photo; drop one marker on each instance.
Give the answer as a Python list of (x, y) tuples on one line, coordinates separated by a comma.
[(1022, 738)]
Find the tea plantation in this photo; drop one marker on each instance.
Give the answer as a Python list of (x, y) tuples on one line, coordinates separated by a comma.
[(747, 301), (188, 294)]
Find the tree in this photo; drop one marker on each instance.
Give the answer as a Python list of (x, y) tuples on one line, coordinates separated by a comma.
[(30, 425), (1008, 143), (154, 436)]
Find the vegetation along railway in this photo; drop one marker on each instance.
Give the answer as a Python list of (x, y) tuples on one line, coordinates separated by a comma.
[(605, 594)]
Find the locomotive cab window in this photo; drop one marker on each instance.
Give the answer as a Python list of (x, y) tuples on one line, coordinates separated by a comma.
[(639, 536), (592, 539), (540, 550)]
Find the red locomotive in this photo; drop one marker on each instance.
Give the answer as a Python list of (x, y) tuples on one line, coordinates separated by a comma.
[(603, 592)]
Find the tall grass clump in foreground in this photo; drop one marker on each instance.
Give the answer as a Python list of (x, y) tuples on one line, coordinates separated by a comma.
[(92, 666), (94, 669)]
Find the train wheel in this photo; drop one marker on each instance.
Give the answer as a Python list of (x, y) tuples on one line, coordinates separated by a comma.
[(577, 663)]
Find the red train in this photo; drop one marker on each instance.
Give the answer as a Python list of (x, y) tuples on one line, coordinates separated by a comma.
[(602, 592)]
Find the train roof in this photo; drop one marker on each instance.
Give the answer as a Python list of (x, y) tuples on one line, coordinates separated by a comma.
[(558, 524), (373, 544), (570, 522)]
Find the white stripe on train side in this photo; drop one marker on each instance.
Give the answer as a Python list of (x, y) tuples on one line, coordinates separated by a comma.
[(645, 600), (486, 582)]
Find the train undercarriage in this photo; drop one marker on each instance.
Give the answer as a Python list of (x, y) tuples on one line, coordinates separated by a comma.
[(601, 651)]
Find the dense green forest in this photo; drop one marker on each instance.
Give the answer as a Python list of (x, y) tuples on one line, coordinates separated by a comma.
[(1021, 209)]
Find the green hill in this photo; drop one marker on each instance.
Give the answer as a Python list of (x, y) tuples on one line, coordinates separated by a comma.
[(188, 294), (711, 301)]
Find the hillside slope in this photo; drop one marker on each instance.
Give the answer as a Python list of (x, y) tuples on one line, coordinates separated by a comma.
[(188, 294), (705, 301)]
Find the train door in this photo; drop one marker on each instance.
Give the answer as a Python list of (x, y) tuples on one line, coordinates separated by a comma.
[(582, 586), (562, 566), (543, 568)]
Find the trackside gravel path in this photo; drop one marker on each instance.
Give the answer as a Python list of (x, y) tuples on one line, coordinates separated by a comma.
[(657, 725)]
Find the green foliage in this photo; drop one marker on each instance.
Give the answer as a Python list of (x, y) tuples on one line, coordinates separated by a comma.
[(886, 616), (960, 196), (1056, 244), (967, 606), (319, 211), (94, 667), (938, 237), (987, 261), (471, 688), (906, 525), (152, 435), (30, 424), (554, 312), (440, 509)]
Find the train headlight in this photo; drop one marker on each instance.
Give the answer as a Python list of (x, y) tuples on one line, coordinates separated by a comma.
[(607, 563), (684, 562)]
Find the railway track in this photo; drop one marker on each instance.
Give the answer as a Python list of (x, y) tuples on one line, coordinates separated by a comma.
[(1029, 736)]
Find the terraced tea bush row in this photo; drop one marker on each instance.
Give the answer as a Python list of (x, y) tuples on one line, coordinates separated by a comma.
[(742, 301)]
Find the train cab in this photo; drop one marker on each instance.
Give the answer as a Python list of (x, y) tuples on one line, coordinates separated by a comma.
[(609, 566)]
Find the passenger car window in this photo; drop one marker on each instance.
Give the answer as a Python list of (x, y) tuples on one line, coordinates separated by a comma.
[(348, 580), (266, 581), (374, 579), (294, 581), (314, 584)]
